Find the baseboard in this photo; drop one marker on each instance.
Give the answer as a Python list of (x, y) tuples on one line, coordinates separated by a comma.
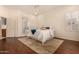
[(54, 38), (65, 39)]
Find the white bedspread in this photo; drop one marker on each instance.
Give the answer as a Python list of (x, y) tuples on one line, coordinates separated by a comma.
[(44, 35)]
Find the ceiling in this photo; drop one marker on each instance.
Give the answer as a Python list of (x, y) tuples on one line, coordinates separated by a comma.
[(31, 9)]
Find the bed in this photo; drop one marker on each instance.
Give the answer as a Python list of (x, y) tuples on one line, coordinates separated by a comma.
[(42, 35)]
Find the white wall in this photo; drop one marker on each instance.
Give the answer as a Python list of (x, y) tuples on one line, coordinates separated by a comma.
[(11, 23), (3, 11), (14, 25), (56, 18)]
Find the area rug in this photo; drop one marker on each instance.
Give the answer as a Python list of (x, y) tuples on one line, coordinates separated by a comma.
[(48, 48)]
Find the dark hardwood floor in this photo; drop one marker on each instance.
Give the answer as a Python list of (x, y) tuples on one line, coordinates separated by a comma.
[(68, 47), (13, 46)]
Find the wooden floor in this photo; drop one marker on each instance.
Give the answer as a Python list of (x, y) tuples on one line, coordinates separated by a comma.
[(68, 47), (13, 46)]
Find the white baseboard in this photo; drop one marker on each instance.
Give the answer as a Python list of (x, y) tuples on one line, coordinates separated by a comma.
[(67, 39)]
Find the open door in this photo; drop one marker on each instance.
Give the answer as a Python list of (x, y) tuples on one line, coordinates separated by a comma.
[(2, 27)]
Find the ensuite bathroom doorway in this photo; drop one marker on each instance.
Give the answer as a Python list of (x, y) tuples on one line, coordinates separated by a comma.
[(2, 27)]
